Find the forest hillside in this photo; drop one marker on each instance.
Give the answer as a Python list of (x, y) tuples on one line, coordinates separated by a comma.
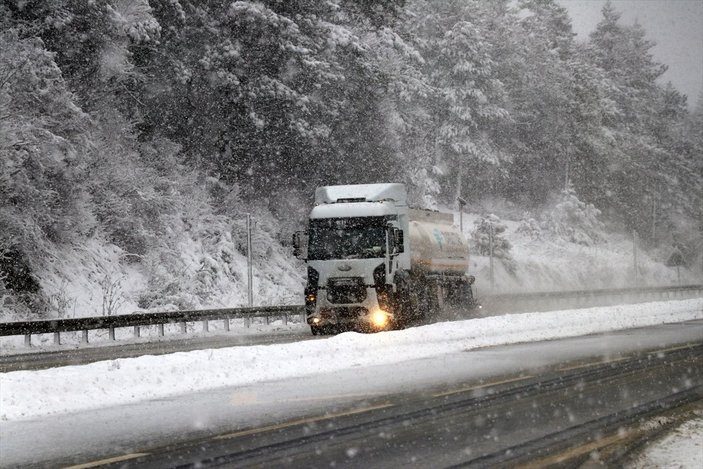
[(136, 134)]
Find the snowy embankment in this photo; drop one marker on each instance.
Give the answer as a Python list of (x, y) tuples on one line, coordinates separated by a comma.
[(680, 449), (31, 394)]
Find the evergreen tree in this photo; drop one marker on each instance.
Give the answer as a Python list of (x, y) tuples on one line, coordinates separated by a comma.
[(42, 140), (468, 97), (644, 113)]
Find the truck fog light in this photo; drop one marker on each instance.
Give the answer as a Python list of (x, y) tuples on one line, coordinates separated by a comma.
[(379, 318)]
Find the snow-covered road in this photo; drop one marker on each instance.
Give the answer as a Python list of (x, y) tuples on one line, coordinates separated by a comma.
[(32, 394), (133, 404)]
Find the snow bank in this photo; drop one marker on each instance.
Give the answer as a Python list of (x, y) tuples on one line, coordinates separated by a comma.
[(31, 394), (681, 449)]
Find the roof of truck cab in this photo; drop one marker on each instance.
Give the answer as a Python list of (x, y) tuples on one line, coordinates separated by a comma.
[(354, 209), (359, 192)]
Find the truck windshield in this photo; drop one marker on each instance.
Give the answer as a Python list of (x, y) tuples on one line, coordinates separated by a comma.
[(347, 238)]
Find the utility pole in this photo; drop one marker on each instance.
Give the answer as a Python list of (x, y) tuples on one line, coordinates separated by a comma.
[(490, 252), (567, 176), (250, 285), (654, 218), (461, 202), (634, 254)]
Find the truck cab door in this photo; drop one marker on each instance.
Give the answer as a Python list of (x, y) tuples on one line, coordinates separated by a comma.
[(300, 245), (398, 240)]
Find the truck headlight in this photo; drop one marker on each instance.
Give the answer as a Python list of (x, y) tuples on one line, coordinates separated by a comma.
[(379, 318)]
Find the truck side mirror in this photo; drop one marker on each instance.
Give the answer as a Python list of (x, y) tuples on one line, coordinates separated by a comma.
[(298, 239), (398, 240)]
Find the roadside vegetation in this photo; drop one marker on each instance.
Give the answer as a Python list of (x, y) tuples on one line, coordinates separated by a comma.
[(135, 135)]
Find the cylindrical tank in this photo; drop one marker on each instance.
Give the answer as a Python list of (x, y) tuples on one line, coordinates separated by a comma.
[(436, 245)]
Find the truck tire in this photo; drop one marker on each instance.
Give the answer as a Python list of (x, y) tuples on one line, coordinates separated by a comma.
[(403, 305), (433, 309)]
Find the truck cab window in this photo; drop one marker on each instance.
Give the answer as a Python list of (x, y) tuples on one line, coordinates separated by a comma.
[(347, 238)]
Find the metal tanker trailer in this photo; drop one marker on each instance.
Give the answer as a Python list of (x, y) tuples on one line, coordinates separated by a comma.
[(436, 245), (373, 263)]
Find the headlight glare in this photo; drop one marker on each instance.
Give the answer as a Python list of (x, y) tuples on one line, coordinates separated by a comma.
[(379, 318)]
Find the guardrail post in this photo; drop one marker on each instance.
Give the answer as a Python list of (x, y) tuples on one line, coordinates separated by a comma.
[(267, 318), (111, 333), (136, 332), (285, 319), (161, 330), (247, 322), (28, 340), (302, 317), (184, 329), (57, 338), (206, 326), (226, 324), (85, 336)]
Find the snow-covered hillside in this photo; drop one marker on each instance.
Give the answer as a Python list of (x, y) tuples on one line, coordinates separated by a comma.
[(550, 263), (200, 267), (205, 266)]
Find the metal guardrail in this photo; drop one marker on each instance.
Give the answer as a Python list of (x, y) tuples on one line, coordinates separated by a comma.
[(136, 320), (652, 292), (554, 300), (57, 326)]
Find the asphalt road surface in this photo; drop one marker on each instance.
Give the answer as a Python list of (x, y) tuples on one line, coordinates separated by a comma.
[(496, 406)]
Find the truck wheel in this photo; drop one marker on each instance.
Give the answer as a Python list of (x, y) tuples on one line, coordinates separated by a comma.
[(315, 330), (459, 299), (403, 305), (470, 299), (417, 306), (431, 307), (435, 309)]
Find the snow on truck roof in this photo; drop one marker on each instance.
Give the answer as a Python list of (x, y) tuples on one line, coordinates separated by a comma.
[(361, 193), (354, 209)]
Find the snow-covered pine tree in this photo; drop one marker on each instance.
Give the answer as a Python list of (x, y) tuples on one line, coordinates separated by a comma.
[(469, 98)]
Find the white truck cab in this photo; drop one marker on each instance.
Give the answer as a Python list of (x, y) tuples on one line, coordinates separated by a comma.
[(362, 264)]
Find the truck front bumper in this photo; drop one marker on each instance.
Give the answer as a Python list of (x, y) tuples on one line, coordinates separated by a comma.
[(352, 318)]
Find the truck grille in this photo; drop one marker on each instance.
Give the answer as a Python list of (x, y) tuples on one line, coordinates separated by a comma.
[(345, 312), (343, 290)]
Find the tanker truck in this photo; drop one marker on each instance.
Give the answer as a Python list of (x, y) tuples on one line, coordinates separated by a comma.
[(375, 264)]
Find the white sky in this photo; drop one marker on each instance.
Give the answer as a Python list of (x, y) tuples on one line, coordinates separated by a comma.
[(675, 25)]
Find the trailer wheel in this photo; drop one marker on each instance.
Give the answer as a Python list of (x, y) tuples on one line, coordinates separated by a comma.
[(432, 305), (405, 304)]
